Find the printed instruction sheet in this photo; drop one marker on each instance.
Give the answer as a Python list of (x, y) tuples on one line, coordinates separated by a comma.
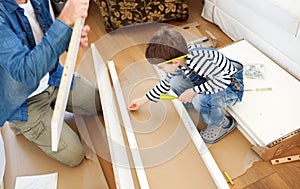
[(47, 181)]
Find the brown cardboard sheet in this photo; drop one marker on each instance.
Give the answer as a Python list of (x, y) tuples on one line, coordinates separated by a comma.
[(93, 135), (234, 154), (169, 156), (24, 159)]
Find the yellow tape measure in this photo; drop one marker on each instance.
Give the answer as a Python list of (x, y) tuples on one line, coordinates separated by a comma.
[(167, 97)]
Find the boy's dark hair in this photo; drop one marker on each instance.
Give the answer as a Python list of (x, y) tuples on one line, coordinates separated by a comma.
[(164, 45)]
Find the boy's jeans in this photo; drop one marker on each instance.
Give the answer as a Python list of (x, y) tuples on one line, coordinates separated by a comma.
[(83, 99), (210, 106)]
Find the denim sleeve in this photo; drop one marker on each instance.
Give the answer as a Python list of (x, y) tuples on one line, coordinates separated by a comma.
[(29, 66)]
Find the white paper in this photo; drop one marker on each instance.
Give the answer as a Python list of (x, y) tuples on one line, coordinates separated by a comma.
[(47, 181), (2, 161)]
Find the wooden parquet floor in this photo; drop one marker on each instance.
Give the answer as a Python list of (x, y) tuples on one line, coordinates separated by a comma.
[(262, 175)]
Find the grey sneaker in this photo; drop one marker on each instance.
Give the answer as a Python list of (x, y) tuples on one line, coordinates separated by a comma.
[(214, 134)]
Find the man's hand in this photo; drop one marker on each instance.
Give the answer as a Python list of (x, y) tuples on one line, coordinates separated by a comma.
[(187, 96), (137, 103), (73, 10), (84, 41)]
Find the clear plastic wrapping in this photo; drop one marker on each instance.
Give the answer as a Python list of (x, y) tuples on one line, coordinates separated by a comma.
[(254, 71)]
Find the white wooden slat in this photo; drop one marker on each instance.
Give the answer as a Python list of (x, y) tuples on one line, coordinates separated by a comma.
[(129, 129), (119, 157), (208, 159), (64, 88)]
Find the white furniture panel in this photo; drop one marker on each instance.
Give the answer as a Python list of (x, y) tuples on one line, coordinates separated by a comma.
[(265, 116)]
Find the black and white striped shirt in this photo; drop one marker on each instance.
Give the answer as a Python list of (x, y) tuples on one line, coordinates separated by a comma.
[(206, 62)]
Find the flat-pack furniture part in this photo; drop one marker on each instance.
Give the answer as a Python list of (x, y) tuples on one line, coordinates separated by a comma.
[(65, 84), (122, 173), (268, 118)]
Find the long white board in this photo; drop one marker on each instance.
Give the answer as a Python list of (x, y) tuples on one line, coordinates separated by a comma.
[(119, 157), (65, 83), (129, 130)]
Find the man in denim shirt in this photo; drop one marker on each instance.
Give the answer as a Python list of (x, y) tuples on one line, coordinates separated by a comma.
[(30, 72)]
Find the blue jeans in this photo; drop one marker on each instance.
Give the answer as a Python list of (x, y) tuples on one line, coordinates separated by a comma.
[(210, 106)]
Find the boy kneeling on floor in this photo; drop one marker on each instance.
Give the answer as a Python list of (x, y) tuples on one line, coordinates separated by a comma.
[(201, 77)]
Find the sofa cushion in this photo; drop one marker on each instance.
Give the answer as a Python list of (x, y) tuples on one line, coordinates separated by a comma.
[(285, 14), (208, 10)]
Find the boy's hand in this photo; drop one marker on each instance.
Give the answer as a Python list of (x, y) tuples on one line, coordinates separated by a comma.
[(187, 96), (73, 10), (137, 103)]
